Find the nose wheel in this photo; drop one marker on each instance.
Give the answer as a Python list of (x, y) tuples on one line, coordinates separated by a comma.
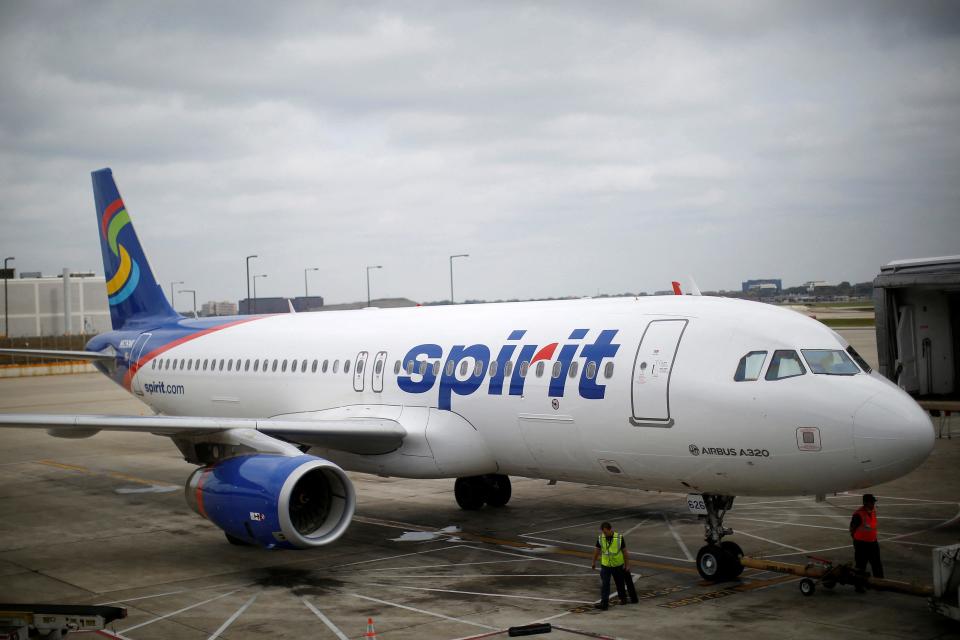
[(718, 560)]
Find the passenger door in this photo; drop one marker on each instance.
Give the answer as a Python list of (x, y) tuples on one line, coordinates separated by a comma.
[(652, 370), (359, 371), (378, 366)]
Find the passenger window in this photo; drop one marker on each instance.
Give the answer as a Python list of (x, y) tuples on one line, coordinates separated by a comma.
[(859, 360), (556, 370), (591, 370), (507, 368), (478, 369), (303, 366), (222, 362), (378, 367), (346, 366), (153, 364), (608, 370), (324, 368), (396, 368), (436, 367), (283, 366), (524, 367), (196, 364), (540, 366), (750, 366), (573, 369), (422, 369), (175, 363), (230, 364), (359, 367), (830, 362), (463, 368), (493, 368), (785, 364), (313, 367), (205, 363), (256, 364), (449, 367), (293, 366), (246, 365), (336, 366), (275, 364)]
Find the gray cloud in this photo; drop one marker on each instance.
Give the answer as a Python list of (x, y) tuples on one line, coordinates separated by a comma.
[(568, 148)]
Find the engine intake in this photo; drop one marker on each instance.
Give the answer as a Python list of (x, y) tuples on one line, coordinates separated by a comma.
[(275, 501)]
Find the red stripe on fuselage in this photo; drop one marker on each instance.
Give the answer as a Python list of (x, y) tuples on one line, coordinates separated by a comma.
[(136, 366), (546, 353), (111, 209)]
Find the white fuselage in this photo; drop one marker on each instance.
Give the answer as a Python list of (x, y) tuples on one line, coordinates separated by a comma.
[(671, 416)]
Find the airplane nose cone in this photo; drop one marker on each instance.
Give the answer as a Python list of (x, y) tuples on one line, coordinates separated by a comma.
[(892, 435)]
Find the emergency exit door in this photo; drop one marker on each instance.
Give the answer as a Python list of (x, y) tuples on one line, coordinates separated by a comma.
[(652, 371), (358, 371)]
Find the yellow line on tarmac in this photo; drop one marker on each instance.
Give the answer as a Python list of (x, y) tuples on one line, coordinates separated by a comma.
[(112, 474)]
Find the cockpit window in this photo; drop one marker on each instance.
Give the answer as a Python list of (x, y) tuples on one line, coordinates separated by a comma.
[(785, 364), (750, 366), (830, 362), (859, 360)]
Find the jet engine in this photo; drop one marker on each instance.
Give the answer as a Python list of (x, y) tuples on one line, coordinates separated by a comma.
[(274, 501)]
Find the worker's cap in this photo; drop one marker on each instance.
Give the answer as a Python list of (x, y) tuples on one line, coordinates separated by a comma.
[(869, 498)]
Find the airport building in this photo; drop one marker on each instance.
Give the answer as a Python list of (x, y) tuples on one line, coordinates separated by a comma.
[(279, 304), (69, 304), (764, 284), (223, 308)]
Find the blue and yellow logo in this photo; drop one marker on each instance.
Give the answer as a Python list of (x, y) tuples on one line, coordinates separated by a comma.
[(123, 283)]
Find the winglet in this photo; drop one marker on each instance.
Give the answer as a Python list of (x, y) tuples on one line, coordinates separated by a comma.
[(694, 289), (676, 289)]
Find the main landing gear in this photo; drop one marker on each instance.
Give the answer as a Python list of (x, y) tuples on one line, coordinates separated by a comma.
[(718, 561), (473, 492)]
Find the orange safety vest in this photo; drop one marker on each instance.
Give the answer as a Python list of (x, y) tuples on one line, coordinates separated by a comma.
[(867, 531)]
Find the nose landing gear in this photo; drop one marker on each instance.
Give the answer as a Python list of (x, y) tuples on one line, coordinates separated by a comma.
[(718, 561)]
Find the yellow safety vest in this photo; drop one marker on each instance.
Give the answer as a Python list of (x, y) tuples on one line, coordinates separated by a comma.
[(611, 555)]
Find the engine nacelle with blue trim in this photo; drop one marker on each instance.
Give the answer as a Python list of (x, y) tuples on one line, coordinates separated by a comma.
[(275, 501)]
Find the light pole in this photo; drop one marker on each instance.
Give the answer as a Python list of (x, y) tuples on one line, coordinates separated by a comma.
[(306, 291), (248, 282), (378, 266), (194, 292), (459, 255), (259, 275), (6, 304), (171, 293)]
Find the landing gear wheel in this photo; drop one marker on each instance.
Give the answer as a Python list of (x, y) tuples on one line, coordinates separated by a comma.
[(712, 563), (734, 553), (807, 587), (240, 542), (498, 489), (470, 492)]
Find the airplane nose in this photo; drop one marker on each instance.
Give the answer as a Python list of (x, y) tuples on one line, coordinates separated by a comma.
[(892, 435)]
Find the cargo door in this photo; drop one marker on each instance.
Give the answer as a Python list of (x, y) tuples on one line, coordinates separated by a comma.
[(652, 370)]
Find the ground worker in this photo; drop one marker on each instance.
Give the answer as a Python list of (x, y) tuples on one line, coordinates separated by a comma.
[(611, 550), (863, 529)]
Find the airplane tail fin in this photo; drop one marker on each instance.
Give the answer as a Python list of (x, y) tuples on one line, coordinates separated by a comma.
[(132, 290)]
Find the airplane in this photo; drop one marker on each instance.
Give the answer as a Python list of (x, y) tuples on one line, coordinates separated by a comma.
[(707, 396)]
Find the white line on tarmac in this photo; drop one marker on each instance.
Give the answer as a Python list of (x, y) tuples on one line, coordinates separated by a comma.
[(810, 551), (173, 613), (633, 552), (502, 575), (582, 524), (424, 611), (325, 620), (790, 524), (402, 555), (476, 593), (170, 593), (635, 527), (528, 557), (676, 537), (236, 614), (454, 564), (781, 544)]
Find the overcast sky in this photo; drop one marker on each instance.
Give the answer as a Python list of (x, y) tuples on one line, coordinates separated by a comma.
[(569, 148)]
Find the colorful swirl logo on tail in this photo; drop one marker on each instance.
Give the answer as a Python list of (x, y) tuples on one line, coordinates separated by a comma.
[(125, 280)]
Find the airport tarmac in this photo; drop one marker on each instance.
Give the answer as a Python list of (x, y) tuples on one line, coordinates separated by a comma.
[(103, 520)]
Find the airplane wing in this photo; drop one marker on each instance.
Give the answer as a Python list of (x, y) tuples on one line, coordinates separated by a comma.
[(90, 356), (356, 435)]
